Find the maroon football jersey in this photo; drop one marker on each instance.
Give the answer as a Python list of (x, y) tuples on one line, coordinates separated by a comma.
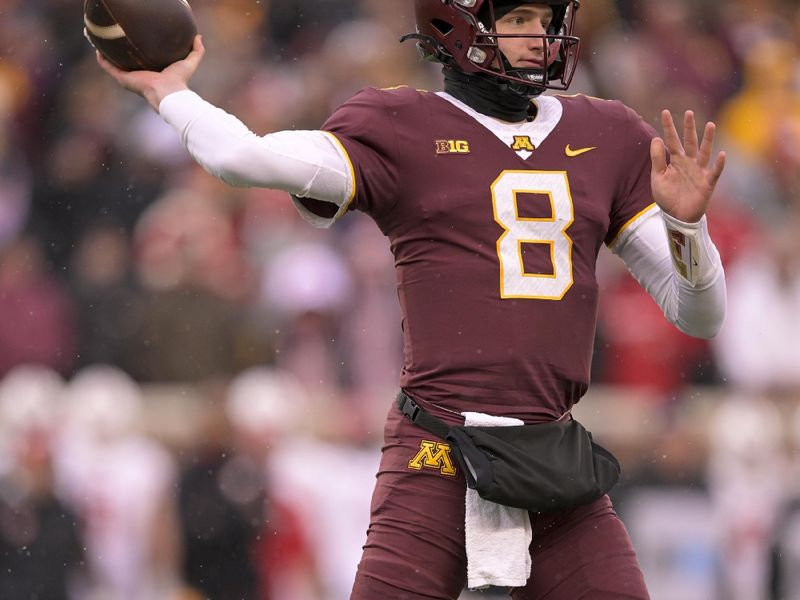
[(495, 230)]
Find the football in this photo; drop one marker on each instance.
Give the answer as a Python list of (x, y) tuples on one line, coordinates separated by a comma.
[(140, 34)]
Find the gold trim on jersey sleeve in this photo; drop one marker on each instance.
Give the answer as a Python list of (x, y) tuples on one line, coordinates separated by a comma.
[(345, 207), (630, 221)]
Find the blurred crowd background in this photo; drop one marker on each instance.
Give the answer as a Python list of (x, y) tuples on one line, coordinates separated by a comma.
[(193, 381)]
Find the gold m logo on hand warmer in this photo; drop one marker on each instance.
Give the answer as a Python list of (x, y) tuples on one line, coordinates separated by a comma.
[(433, 455)]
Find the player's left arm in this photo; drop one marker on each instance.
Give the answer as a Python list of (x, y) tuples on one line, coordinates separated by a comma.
[(694, 302), (681, 269), (683, 179)]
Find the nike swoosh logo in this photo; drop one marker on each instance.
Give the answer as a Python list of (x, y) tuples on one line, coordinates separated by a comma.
[(571, 153)]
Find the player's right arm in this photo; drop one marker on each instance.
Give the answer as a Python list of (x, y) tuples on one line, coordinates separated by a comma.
[(307, 164)]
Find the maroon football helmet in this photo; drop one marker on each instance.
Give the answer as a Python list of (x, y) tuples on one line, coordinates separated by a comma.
[(461, 34)]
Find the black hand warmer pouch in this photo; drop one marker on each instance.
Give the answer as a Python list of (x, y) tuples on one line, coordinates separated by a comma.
[(541, 467)]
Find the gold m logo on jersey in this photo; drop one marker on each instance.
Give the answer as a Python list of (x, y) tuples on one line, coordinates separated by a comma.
[(452, 147), (523, 142), (433, 455)]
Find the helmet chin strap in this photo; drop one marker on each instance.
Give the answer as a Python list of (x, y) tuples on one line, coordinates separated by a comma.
[(535, 76)]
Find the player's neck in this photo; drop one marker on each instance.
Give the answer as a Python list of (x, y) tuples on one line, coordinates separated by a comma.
[(487, 98)]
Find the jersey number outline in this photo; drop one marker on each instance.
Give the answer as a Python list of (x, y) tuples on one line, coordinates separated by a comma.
[(514, 281)]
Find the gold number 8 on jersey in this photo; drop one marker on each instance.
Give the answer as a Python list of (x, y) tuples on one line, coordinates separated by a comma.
[(552, 231)]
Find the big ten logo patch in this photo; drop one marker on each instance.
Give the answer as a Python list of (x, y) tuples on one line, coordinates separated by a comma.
[(433, 455), (452, 146)]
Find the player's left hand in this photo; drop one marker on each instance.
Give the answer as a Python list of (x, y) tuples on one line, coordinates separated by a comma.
[(683, 188)]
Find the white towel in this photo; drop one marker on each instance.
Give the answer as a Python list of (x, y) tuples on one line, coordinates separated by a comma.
[(497, 536)]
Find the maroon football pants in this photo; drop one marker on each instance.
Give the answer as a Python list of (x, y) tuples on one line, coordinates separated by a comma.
[(415, 542)]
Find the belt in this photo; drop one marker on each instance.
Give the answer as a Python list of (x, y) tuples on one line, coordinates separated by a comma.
[(419, 416)]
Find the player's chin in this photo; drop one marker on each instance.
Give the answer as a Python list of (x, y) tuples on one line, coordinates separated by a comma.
[(529, 64)]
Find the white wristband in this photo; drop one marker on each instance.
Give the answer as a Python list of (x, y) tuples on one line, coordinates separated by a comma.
[(694, 256)]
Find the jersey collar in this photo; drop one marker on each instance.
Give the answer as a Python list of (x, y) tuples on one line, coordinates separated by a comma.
[(549, 113)]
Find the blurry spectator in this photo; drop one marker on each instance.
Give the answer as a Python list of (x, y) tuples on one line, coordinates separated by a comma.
[(15, 90), (785, 555), (218, 533), (15, 171), (195, 279), (120, 483), (108, 302), (308, 287), (747, 473), (298, 27), (746, 23), (664, 476), (27, 41), (81, 177), (374, 341), (755, 348), (267, 225), (38, 323), (271, 97), (597, 18), (784, 576), (40, 549), (677, 555), (73, 189), (239, 540), (326, 472), (762, 121), (356, 54), (769, 75), (638, 348), (329, 482), (734, 230), (667, 60)]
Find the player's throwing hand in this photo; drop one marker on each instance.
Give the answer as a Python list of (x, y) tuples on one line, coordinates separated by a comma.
[(153, 85)]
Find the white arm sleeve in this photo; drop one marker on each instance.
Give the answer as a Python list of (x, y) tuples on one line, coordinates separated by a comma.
[(695, 305), (307, 164)]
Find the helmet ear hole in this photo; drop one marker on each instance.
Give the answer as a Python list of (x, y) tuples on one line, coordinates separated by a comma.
[(441, 26)]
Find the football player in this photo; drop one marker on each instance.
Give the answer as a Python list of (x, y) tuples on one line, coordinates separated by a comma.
[(496, 200)]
